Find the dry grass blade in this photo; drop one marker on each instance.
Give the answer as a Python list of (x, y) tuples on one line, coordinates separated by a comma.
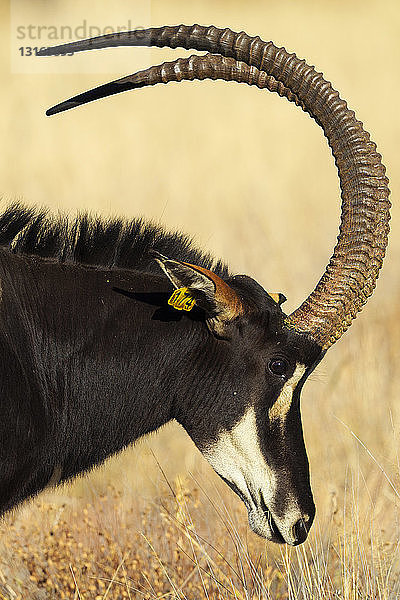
[(176, 591), (199, 539), (121, 583), (198, 566), (193, 537), (77, 592), (355, 436), (115, 575)]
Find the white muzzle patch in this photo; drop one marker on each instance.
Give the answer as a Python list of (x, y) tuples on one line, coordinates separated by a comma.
[(237, 457)]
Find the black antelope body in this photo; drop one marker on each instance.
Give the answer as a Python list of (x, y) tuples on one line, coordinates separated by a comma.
[(96, 354)]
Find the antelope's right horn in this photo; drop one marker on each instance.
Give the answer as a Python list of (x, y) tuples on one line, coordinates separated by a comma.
[(349, 278)]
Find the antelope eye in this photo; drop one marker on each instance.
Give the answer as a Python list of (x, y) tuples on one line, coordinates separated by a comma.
[(278, 366)]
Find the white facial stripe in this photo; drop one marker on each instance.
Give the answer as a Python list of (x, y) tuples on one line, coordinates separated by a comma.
[(237, 453), (237, 457), (282, 404)]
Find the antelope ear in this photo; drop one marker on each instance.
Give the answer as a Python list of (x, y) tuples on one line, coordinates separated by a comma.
[(220, 302), (278, 297)]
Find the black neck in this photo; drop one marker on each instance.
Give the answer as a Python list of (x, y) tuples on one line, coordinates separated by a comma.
[(92, 359)]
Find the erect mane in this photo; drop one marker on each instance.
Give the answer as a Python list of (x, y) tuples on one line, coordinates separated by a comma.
[(95, 241)]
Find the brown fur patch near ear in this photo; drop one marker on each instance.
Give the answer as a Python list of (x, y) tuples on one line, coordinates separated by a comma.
[(228, 300)]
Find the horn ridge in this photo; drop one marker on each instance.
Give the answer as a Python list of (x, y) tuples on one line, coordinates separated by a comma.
[(195, 67), (362, 239)]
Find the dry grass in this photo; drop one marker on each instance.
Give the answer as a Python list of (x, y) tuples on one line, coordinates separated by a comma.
[(190, 540), (251, 177)]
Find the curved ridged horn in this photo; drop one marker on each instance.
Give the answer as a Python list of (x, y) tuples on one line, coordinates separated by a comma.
[(350, 276), (209, 66)]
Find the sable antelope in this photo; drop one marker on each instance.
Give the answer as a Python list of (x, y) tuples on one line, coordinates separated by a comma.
[(96, 354)]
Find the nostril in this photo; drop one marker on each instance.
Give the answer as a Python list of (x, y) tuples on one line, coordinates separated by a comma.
[(300, 531)]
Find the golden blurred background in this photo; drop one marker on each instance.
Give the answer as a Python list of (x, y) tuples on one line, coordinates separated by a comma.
[(252, 179)]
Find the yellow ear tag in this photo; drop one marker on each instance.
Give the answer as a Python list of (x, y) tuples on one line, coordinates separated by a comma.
[(182, 299)]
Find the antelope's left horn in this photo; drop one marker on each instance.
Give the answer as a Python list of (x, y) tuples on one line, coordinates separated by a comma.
[(350, 277)]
